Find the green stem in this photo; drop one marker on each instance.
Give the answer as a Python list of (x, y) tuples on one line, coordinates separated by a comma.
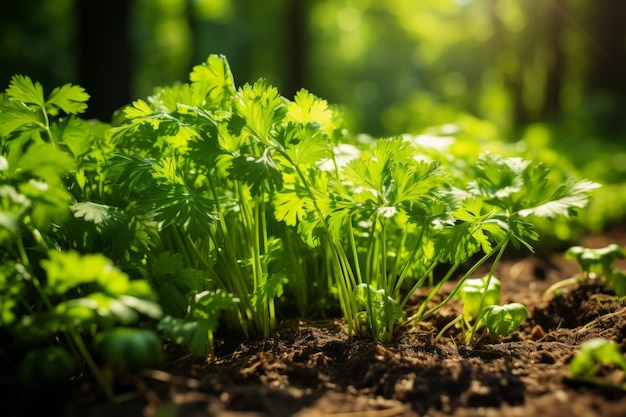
[(226, 252), (447, 326), (421, 316), (262, 221), (181, 245), (91, 364), (341, 265), (302, 288), (407, 265), (202, 261), (559, 284), (47, 126), (418, 284), (340, 262), (388, 319), (396, 264), (355, 255), (372, 254), (492, 270)]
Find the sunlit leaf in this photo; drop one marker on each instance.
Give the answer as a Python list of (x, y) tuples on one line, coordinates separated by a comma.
[(213, 82), (95, 213), (564, 201), (307, 108), (17, 118), (305, 145), (262, 108), (69, 98), (23, 89), (139, 108), (471, 293)]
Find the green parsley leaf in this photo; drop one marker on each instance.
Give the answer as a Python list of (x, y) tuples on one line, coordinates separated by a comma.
[(262, 108), (69, 98), (22, 89), (212, 82), (563, 201)]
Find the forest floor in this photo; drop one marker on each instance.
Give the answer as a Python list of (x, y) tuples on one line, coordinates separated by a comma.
[(312, 369)]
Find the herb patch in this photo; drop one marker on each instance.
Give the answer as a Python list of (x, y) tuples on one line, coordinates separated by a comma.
[(207, 211)]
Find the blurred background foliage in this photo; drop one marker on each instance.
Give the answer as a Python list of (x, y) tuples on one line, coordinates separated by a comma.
[(547, 77)]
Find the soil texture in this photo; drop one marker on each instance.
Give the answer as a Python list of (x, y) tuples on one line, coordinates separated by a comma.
[(311, 368)]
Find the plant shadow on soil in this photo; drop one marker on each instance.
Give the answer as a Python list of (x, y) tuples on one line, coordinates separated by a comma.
[(310, 368)]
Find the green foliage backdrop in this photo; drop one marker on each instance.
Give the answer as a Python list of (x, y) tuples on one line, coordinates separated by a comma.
[(549, 73), (397, 65)]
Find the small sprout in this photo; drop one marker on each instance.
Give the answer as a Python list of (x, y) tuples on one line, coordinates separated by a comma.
[(502, 320), (129, 349), (595, 352), (471, 292), (47, 367), (481, 299), (596, 265), (617, 281), (595, 262)]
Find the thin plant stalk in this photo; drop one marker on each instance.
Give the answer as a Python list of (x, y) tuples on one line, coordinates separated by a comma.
[(340, 262), (484, 294), (406, 268), (383, 274), (421, 314)]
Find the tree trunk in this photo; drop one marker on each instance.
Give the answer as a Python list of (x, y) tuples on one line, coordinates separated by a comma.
[(296, 32), (552, 102), (104, 55), (606, 79)]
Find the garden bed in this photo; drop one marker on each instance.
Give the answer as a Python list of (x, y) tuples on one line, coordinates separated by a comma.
[(311, 369), (254, 230)]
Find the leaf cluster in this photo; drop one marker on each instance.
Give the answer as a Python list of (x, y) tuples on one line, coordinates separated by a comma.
[(59, 287), (482, 308), (207, 207)]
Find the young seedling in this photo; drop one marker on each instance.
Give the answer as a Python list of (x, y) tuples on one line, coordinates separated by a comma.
[(503, 319), (481, 308), (596, 353), (126, 349), (595, 266)]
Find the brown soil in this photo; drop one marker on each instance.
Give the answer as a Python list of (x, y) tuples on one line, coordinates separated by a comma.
[(312, 369)]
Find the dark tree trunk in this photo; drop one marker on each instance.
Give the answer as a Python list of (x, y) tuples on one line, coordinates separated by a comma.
[(104, 54), (296, 45), (608, 49), (606, 76), (552, 103)]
